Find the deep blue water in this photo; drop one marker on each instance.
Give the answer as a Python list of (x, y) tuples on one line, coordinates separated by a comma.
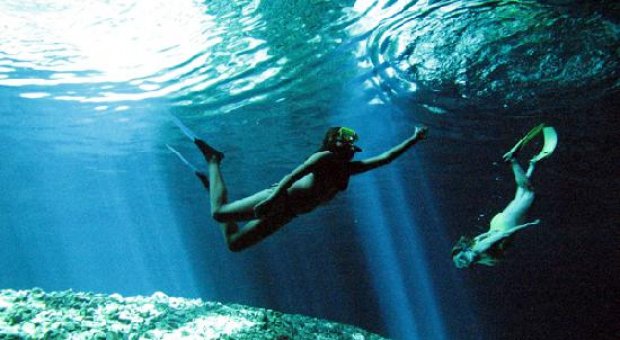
[(93, 201)]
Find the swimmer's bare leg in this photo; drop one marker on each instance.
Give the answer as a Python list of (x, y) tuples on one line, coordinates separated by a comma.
[(228, 214), (530, 169), (516, 210), (521, 177), (217, 189), (254, 232)]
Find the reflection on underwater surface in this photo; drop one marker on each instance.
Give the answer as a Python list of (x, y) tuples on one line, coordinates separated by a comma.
[(495, 54), (503, 56), (95, 202)]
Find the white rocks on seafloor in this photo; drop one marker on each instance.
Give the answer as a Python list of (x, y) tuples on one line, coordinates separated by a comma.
[(35, 314)]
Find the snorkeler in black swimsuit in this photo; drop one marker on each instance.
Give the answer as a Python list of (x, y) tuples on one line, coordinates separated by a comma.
[(316, 181)]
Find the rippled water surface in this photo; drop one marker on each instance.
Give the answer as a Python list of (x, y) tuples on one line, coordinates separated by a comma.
[(87, 90), (495, 54)]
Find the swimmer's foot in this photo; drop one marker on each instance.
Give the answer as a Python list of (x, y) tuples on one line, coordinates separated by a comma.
[(207, 150), (510, 155), (210, 154), (203, 178)]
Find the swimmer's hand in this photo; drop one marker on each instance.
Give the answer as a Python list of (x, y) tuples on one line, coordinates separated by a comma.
[(421, 132), (262, 208), (266, 207)]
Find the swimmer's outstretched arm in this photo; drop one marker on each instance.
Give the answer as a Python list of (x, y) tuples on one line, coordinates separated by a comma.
[(486, 240), (358, 167)]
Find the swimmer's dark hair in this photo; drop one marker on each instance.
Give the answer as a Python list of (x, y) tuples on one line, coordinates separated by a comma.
[(492, 256), (462, 244), (329, 141)]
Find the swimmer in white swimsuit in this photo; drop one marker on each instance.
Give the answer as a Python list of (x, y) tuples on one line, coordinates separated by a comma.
[(488, 248)]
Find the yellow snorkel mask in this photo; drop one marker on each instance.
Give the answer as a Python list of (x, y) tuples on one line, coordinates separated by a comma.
[(349, 136)]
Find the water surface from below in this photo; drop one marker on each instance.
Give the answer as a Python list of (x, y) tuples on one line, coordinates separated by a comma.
[(95, 202)]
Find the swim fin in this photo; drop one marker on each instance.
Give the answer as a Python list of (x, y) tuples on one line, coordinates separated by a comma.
[(201, 175), (526, 139), (186, 131), (183, 159), (551, 141), (207, 150)]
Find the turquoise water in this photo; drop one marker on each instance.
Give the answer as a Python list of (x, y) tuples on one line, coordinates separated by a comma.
[(94, 201)]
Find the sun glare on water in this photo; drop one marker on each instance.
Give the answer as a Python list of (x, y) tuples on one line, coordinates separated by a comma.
[(64, 42)]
